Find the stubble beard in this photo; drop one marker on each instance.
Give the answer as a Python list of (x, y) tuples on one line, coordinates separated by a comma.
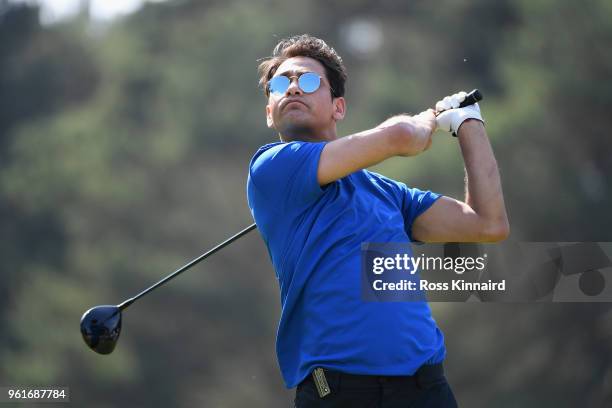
[(298, 132)]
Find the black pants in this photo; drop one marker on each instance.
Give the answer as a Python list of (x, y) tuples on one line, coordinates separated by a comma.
[(426, 388)]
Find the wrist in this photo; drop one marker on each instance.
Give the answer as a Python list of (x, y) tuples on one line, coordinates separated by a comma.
[(411, 139), (469, 126)]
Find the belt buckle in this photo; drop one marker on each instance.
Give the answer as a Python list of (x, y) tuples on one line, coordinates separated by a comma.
[(321, 382)]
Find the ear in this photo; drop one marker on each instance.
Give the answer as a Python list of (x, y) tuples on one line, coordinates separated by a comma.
[(339, 108), (269, 121)]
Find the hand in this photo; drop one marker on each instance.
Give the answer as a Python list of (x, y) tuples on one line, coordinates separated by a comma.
[(450, 116), (424, 124), (414, 132)]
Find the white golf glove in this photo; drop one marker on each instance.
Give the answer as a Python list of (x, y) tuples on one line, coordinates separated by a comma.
[(451, 116)]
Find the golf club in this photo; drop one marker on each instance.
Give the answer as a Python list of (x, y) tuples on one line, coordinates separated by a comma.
[(471, 98), (101, 325)]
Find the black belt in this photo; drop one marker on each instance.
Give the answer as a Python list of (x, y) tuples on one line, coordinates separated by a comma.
[(327, 380)]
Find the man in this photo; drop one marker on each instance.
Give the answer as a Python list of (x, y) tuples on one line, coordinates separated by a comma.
[(315, 203)]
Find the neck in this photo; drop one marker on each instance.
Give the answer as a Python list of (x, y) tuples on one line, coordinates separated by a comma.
[(308, 135)]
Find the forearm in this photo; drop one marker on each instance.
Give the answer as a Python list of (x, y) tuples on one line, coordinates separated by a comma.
[(483, 191), (355, 152), (398, 136), (410, 135)]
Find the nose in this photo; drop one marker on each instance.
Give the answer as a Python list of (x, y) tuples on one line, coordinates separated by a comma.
[(294, 88)]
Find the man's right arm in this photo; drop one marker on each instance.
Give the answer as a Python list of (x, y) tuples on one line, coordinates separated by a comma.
[(398, 136)]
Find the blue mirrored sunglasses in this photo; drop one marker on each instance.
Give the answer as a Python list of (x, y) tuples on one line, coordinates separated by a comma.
[(307, 81)]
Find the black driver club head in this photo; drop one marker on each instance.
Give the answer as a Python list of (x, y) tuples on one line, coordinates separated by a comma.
[(100, 327)]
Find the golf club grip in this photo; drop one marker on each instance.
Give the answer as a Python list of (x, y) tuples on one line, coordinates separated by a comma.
[(471, 98)]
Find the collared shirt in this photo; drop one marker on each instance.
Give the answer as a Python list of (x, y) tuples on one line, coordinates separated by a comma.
[(313, 235)]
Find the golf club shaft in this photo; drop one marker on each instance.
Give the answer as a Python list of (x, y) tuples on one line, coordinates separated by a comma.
[(223, 244), (470, 99)]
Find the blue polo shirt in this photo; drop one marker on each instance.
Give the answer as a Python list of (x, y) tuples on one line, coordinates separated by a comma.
[(314, 236)]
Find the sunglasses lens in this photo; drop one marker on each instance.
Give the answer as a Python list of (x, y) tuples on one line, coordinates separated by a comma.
[(279, 84), (309, 82)]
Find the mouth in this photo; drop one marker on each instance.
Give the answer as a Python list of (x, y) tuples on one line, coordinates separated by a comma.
[(293, 103)]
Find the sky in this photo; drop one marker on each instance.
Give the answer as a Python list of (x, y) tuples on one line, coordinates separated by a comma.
[(53, 11)]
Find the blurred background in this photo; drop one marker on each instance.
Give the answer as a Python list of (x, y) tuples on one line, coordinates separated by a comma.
[(126, 129)]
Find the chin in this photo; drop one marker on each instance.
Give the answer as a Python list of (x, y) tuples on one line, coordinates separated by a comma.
[(299, 131)]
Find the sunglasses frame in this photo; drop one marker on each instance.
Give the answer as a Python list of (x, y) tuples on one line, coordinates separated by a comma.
[(290, 78)]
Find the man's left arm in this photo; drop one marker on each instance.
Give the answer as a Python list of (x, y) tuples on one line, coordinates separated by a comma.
[(482, 217)]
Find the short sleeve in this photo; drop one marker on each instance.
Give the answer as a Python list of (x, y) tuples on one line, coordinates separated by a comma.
[(286, 173), (415, 202)]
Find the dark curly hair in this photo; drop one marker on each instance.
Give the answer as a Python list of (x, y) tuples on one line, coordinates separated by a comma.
[(305, 45)]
